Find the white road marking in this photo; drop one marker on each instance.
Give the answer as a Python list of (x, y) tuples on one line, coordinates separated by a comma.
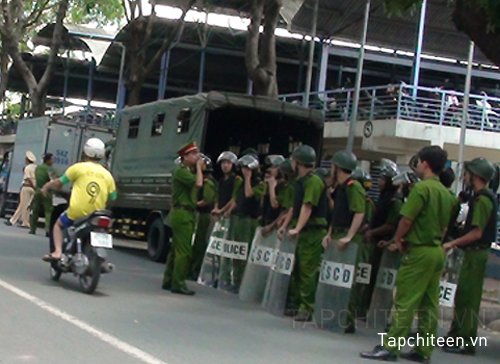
[(103, 336)]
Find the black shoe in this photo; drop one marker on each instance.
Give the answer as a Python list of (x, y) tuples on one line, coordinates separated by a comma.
[(47, 235), (351, 329), (166, 286), (31, 232), (183, 291), (414, 356), (379, 353), (462, 350), (7, 222), (303, 316)]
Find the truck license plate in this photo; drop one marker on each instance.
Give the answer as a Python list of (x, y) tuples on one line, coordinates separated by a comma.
[(101, 240)]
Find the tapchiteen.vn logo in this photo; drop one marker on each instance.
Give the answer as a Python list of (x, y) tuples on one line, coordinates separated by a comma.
[(430, 340)]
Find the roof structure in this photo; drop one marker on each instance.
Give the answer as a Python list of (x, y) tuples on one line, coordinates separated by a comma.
[(343, 20)]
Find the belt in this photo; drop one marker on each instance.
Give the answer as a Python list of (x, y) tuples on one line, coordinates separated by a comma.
[(474, 248), (184, 207), (310, 227)]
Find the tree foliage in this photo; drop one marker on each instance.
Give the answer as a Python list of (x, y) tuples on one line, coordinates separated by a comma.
[(20, 19)]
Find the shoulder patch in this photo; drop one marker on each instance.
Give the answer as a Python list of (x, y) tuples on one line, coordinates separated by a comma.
[(350, 182)]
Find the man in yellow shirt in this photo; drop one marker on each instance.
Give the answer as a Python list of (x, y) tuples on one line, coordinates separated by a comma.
[(93, 185)]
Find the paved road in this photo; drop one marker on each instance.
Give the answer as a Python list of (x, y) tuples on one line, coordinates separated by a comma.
[(131, 320)]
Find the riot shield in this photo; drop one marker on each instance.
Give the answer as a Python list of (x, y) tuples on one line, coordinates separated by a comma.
[(337, 275), (235, 253), (383, 293), (260, 262), (449, 278), (209, 272), (276, 291)]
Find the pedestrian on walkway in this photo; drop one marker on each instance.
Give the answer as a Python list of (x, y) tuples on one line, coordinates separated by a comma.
[(43, 175), (27, 192)]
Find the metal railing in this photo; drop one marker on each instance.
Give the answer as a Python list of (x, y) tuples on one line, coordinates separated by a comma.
[(405, 102)]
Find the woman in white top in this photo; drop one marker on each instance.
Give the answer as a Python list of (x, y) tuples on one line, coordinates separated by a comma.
[(27, 193)]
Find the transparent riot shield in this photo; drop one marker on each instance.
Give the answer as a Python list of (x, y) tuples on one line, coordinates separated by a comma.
[(383, 293), (276, 291), (235, 253), (210, 267), (337, 276), (449, 278), (259, 264)]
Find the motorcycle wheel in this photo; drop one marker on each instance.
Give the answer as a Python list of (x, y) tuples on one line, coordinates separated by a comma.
[(55, 274), (90, 279)]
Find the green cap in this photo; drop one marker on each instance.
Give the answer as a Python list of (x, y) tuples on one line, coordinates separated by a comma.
[(481, 167), (322, 172), (304, 154), (345, 160), (286, 167)]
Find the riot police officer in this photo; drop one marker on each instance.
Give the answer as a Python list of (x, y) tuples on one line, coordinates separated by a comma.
[(182, 218), (347, 218), (205, 203), (274, 186), (385, 218), (309, 224), (480, 230), (425, 217)]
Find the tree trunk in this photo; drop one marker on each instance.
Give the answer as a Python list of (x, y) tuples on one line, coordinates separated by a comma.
[(472, 20), (38, 102), (261, 63), (4, 68)]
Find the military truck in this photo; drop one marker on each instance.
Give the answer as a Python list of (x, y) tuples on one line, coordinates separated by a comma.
[(149, 136), (63, 138)]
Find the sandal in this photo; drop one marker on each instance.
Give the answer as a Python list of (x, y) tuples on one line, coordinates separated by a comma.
[(50, 258)]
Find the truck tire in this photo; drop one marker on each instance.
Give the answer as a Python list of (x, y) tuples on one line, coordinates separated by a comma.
[(158, 241)]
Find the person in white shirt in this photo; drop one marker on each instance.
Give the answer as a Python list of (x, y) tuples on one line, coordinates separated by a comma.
[(27, 193)]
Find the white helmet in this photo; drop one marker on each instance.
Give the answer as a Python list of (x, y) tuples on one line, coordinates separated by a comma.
[(94, 148)]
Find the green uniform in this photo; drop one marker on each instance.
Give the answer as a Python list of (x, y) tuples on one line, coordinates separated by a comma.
[(208, 194), (246, 222), (309, 189), (349, 199), (429, 207), (365, 256), (482, 215), (182, 223), (42, 176), (387, 212)]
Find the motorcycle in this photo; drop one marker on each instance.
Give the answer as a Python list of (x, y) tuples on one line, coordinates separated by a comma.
[(85, 248)]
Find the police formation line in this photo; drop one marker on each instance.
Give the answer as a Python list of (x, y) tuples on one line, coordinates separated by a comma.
[(310, 243)]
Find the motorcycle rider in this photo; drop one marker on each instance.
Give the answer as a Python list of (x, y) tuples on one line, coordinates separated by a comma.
[(93, 186)]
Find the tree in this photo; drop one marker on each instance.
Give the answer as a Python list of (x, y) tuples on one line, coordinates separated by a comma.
[(479, 19), (140, 28), (18, 20), (261, 61)]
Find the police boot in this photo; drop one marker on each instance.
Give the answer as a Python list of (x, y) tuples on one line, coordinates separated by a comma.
[(303, 316), (184, 291), (379, 353), (414, 356)]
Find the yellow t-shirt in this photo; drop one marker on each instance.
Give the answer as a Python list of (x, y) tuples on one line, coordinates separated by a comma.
[(93, 185)]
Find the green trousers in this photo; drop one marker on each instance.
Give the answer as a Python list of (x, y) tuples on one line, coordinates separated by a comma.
[(468, 296), (182, 223), (244, 231), (200, 243), (366, 254), (40, 201), (304, 280), (417, 293), (226, 264)]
